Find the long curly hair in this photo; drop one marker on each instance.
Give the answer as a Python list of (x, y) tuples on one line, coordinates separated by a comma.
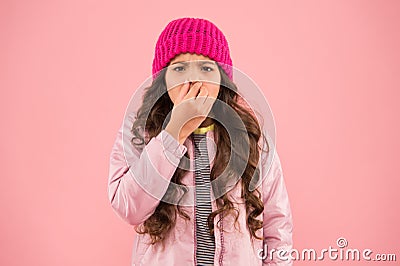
[(152, 117)]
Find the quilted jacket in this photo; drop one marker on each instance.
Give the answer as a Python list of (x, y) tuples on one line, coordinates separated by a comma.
[(139, 178)]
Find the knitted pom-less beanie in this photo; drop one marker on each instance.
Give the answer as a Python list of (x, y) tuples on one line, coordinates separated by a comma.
[(191, 35)]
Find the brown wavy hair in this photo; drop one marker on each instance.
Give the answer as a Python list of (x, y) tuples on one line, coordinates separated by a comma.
[(152, 117)]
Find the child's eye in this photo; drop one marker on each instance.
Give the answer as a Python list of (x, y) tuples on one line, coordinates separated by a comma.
[(207, 69), (178, 68)]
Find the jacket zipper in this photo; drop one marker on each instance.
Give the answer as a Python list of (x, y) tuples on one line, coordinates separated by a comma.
[(194, 210), (221, 256), (194, 229)]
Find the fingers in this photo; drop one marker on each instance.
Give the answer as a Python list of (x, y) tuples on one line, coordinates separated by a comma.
[(193, 91), (202, 96), (208, 104), (183, 91), (195, 98), (204, 100)]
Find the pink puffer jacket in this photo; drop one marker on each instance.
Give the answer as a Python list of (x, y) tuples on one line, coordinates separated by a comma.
[(153, 168)]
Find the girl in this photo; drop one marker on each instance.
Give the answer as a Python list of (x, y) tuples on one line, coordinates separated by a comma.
[(182, 166)]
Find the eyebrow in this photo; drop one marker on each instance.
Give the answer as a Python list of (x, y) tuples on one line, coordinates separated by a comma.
[(200, 62)]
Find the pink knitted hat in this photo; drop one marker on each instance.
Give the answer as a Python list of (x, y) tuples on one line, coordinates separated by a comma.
[(192, 35)]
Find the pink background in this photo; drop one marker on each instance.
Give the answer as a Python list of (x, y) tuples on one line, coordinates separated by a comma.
[(330, 71)]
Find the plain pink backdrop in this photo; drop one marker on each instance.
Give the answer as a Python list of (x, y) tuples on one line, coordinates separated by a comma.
[(329, 69)]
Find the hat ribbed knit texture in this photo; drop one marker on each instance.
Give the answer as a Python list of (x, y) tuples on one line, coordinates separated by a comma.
[(191, 35)]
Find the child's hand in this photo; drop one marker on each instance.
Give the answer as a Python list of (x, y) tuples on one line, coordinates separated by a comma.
[(190, 110)]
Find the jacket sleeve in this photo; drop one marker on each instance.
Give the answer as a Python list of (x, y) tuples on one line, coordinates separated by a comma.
[(277, 216), (138, 179)]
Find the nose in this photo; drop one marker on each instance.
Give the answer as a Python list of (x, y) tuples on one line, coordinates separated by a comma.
[(193, 75)]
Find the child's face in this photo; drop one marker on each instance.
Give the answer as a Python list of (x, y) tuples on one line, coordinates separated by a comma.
[(192, 67)]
